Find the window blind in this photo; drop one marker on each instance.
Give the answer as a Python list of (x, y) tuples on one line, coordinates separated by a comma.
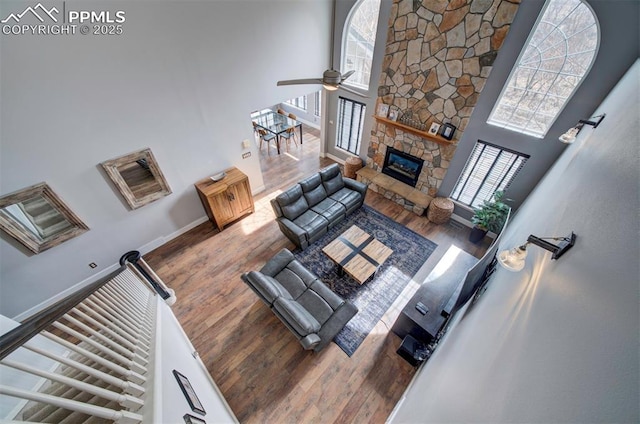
[(350, 123), (490, 168), (317, 104)]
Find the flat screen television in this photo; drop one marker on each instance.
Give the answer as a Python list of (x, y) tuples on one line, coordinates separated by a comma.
[(476, 276)]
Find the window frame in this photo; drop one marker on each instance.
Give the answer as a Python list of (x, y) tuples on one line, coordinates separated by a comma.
[(471, 168), (516, 67), (317, 104), (340, 126), (295, 102), (345, 38)]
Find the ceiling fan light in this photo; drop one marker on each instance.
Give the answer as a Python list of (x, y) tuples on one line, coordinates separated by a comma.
[(330, 87)]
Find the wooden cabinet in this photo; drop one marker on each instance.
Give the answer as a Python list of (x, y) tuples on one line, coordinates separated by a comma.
[(228, 199)]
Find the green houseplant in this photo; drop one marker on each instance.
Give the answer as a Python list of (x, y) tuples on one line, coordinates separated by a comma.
[(489, 217)]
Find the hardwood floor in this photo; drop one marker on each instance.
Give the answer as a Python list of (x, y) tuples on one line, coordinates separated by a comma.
[(259, 366)]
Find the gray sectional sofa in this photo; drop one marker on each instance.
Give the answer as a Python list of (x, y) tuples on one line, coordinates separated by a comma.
[(307, 210), (309, 309)]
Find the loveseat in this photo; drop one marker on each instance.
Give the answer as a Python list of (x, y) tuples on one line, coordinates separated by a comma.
[(309, 309), (307, 210)]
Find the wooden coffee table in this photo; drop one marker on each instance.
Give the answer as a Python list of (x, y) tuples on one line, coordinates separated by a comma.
[(357, 253)]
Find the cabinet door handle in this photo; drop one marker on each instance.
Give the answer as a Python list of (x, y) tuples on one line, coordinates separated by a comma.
[(231, 197)]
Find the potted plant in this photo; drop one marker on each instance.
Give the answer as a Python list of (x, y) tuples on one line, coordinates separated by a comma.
[(489, 217)]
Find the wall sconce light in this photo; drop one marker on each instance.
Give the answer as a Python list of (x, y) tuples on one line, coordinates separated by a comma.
[(514, 259), (570, 136)]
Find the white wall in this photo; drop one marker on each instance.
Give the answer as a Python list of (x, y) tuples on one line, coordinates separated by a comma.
[(182, 80), (559, 341)]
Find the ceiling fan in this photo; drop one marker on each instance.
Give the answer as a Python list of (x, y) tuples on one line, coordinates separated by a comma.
[(331, 78)]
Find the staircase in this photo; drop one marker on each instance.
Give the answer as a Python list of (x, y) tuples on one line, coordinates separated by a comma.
[(96, 357)]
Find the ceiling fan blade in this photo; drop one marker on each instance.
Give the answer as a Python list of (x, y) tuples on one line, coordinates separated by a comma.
[(301, 81), (348, 74), (345, 88)]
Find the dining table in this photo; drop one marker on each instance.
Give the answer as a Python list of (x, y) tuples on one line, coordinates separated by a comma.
[(276, 123)]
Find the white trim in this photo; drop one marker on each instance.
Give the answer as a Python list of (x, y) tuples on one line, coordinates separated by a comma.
[(203, 369), (95, 277), (35, 309), (464, 206), (343, 46), (154, 244), (335, 158), (462, 220), (7, 324), (156, 407), (346, 152), (258, 190), (525, 130), (311, 124), (469, 224)]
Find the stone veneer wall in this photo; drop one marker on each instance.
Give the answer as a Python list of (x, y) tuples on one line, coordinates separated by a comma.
[(438, 57)]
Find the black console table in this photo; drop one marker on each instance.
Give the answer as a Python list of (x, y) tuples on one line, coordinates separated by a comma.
[(437, 293)]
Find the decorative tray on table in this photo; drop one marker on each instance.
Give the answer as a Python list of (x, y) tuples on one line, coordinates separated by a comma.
[(218, 177)]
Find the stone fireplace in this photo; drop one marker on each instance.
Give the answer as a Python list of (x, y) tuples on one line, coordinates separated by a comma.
[(402, 166), (435, 157), (438, 57)]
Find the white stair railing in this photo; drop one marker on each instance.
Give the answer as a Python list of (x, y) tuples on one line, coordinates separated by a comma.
[(122, 416), (106, 334)]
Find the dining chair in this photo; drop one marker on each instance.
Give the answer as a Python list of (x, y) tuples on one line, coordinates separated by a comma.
[(288, 135), (292, 116), (265, 136), (281, 111)]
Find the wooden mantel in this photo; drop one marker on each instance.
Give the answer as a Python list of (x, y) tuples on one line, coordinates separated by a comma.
[(424, 134)]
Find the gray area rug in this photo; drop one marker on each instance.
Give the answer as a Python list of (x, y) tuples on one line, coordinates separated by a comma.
[(374, 297)]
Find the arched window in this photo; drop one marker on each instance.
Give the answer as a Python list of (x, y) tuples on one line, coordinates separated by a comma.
[(557, 56), (358, 41)]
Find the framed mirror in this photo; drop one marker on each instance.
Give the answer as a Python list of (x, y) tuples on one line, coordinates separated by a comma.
[(38, 218), (138, 178)]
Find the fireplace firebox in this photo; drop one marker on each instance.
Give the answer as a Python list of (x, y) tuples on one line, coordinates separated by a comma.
[(402, 166)]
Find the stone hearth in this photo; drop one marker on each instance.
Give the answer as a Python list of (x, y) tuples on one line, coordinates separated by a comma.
[(397, 191)]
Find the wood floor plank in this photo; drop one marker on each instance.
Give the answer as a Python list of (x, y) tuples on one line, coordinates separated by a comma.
[(263, 372)]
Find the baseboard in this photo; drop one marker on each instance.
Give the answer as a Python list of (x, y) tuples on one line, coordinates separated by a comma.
[(162, 240), (462, 220), (469, 224), (144, 249), (335, 158), (258, 190), (58, 297), (309, 123)]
